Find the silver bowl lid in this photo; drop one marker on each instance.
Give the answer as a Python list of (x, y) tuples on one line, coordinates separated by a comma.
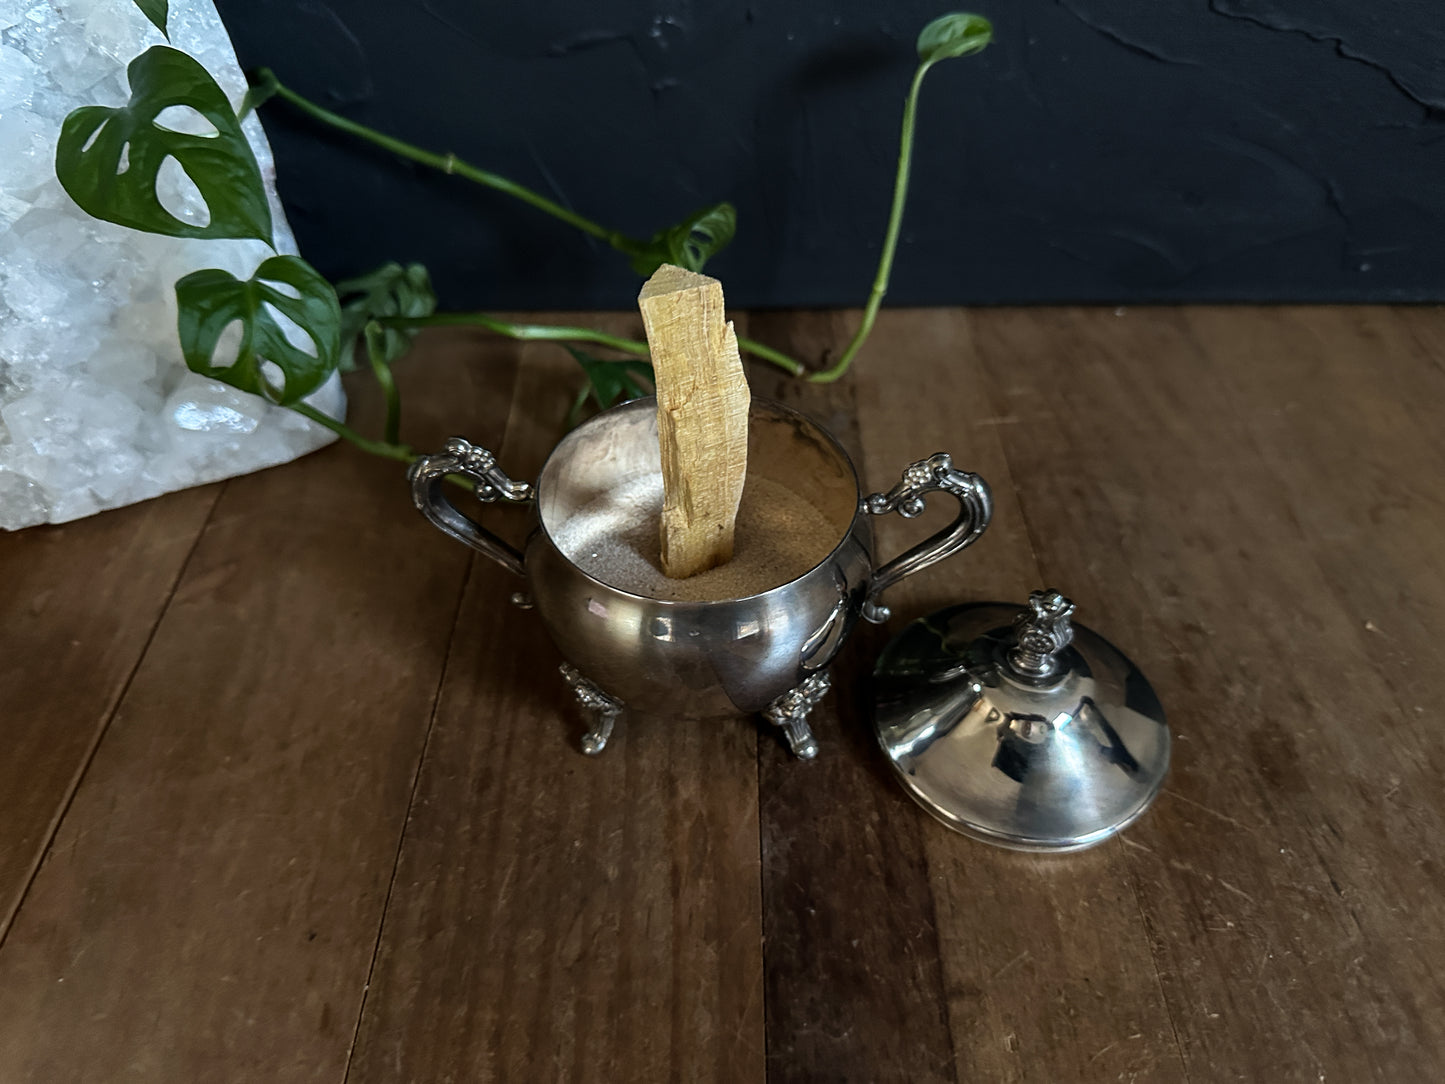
[(1014, 726)]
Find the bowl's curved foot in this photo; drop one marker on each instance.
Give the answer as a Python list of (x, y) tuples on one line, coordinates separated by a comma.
[(790, 711), (600, 710)]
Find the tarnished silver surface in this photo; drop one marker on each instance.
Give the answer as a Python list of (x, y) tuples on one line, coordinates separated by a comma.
[(1020, 729), (790, 712), (691, 660), (601, 710), (934, 474)]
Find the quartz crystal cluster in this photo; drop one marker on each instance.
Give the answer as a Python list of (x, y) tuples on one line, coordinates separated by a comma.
[(97, 408)]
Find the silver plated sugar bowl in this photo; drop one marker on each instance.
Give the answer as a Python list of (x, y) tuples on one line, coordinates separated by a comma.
[(765, 650), (1018, 727)]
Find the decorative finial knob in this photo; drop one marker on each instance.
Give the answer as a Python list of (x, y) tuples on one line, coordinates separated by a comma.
[(1040, 634)]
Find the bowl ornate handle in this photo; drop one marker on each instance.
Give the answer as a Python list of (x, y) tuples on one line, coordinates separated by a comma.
[(934, 474), (473, 462)]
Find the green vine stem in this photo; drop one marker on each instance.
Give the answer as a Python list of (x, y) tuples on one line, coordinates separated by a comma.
[(767, 353), (447, 163), (385, 449), (375, 335), (956, 34), (375, 447), (530, 332), (890, 237), (268, 86), (554, 333)]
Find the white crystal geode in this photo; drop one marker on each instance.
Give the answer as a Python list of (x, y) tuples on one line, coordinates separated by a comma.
[(97, 407)]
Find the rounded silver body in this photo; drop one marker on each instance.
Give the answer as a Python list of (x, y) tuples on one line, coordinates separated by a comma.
[(698, 659), (762, 652)]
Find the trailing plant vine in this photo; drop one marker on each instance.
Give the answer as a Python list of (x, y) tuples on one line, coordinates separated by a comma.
[(108, 160)]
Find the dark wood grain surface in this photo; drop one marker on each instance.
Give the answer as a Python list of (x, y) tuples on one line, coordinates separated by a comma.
[(291, 792)]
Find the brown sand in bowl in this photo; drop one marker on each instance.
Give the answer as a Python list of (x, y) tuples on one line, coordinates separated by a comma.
[(779, 536)]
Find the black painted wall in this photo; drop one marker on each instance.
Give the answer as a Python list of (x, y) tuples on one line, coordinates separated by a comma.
[(1100, 150)]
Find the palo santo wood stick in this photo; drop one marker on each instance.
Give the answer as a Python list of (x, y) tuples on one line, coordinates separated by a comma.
[(702, 417)]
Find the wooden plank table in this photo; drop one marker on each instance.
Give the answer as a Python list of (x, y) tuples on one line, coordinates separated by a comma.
[(291, 793)]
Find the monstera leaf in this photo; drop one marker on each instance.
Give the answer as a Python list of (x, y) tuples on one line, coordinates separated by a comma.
[(211, 300), (958, 34), (157, 11), (691, 243), (390, 290), (108, 159)]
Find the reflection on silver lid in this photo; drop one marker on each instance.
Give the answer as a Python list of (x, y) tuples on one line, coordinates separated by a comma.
[(1015, 726)]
